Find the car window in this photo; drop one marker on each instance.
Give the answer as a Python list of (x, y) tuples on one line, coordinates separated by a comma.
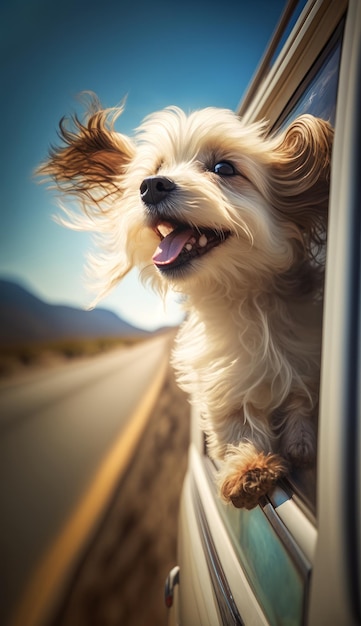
[(276, 569), (317, 97), (295, 12), (278, 578)]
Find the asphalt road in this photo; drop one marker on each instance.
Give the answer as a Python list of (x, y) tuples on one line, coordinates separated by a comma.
[(120, 579), (56, 427)]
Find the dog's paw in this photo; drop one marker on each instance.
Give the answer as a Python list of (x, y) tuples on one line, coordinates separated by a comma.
[(252, 480)]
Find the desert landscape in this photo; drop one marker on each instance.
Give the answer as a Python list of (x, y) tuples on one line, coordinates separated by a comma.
[(120, 579)]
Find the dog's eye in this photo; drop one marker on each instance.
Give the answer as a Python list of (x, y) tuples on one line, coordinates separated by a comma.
[(224, 169)]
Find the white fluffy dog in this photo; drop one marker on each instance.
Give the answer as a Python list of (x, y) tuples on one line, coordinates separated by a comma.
[(234, 220)]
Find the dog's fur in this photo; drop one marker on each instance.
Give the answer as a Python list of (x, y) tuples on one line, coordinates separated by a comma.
[(249, 350)]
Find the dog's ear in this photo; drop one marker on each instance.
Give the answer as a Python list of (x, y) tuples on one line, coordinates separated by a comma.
[(90, 167), (300, 175), (91, 160)]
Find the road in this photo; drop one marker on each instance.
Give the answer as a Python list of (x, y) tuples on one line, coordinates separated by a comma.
[(56, 428), (120, 581)]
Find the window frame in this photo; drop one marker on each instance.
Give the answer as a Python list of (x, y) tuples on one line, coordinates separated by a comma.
[(271, 89)]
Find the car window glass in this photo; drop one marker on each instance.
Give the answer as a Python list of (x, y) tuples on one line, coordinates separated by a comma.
[(319, 98), (270, 569)]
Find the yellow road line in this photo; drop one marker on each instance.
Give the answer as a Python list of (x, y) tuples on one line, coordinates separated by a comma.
[(50, 577)]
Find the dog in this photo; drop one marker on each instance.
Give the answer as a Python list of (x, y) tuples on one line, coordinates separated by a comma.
[(234, 218)]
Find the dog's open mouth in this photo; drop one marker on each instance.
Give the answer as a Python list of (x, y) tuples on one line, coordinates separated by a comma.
[(179, 244)]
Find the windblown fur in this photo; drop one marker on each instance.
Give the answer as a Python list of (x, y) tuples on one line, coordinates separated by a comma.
[(235, 220)]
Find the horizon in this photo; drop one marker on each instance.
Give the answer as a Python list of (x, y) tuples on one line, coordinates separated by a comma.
[(32, 293)]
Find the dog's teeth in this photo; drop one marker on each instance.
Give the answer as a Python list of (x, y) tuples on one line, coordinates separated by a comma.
[(203, 241), (188, 247), (192, 240), (165, 229)]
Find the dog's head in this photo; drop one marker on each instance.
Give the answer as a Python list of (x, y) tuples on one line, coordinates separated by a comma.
[(197, 200)]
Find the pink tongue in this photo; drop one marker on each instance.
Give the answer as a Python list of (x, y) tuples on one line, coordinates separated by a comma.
[(171, 246)]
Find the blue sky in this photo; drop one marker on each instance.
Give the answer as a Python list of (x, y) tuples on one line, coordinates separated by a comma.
[(193, 54)]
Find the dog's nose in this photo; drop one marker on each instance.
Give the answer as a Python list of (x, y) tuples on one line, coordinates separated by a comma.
[(155, 188)]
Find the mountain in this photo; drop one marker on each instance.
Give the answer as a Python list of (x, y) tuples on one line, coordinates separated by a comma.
[(25, 318)]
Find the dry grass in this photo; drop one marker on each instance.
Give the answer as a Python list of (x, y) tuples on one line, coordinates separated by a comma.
[(16, 358)]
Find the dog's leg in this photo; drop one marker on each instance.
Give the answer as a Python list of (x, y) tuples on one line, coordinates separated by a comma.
[(298, 434), (299, 442), (248, 474)]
